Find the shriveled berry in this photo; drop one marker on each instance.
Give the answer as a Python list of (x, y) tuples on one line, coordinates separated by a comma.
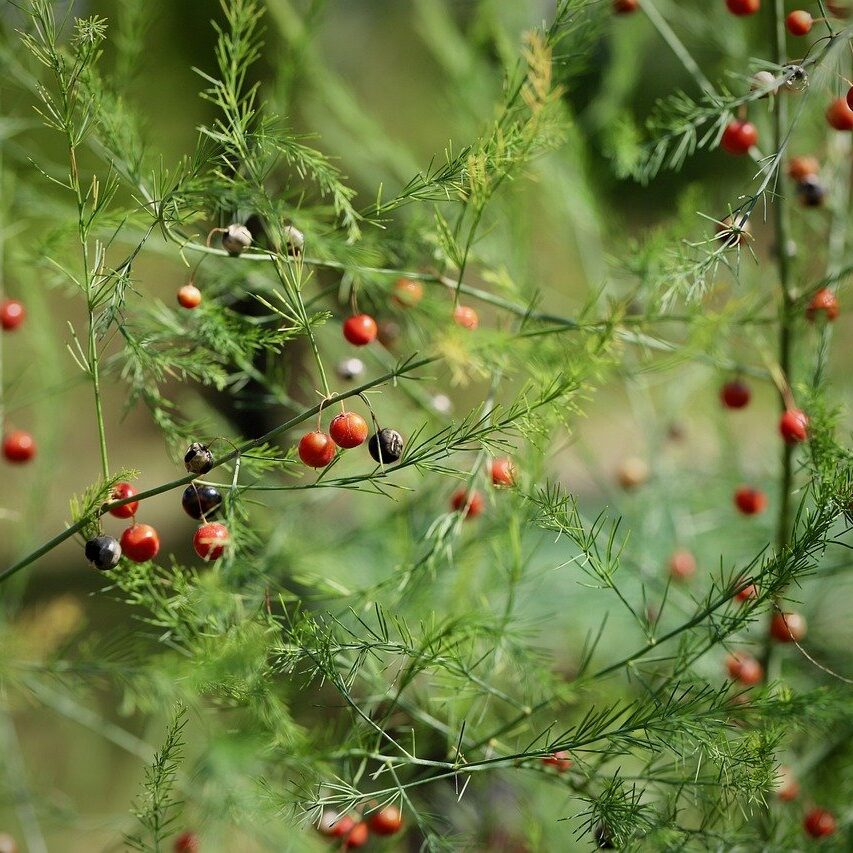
[(19, 447), (750, 501), (386, 446), (794, 426), (823, 304), (788, 627), (140, 542), (407, 292), (839, 114), (103, 552), (682, 565), (465, 316), (819, 823), (210, 541), (360, 329), (294, 240), (236, 239), (799, 22), (743, 7), (803, 167), (735, 394), (604, 838), (503, 472), (12, 314), (559, 760), (469, 502), (198, 459), (316, 449), (348, 430), (739, 137), (386, 821), (388, 333), (201, 501), (120, 492), (189, 296)]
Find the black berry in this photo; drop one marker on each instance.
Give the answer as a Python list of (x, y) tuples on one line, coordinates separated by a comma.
[(103, 552), (201, 501), (198, 458), (386, 446), (811, 191)]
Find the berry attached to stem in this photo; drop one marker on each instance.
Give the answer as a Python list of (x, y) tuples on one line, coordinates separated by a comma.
[(348, 430), (803, 167), (187, 842), (625, 7), (794, 426), (201, 501), (103, 552), (140, 543), (743, 7), (358, 836), (316, 449), (819, 823), (198, 459), (386, 821), (559, 760), (788, 627), (407, 292), (839, 114), (465, 316), (386, 446), (210, 541), (469, 502), (236, 238), (503, 472), (744, 668), (189, 296), (360, 329), (120, 492), (739, 137), (799, 23), (682, 565)]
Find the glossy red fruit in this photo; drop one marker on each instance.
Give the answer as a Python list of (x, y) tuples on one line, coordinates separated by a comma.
[(794, 426), (19, 447), (465, 316), (120, 492), (316, 449), (839, 114), (735, 394), (358, 836), (625, 7), (503, 472), (786, 786), (824, 303), (12, 314), (471, 503), (803, 167), (386, 821), (560, 761), (360, 329), (739, 137), (743, 7), (747, 593), (750, 501), (744, 668), (335, 825), (788, 627), (140, 542), (189, 296), (210, 540), (407, 292), (348, 430), (799, 23), (187, 842), (682, 565), (819, 823)]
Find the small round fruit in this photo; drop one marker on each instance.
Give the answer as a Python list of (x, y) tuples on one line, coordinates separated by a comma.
[(360, 329), (840, 115), (388, 333), (794, 426), (12, 314), (748, 592), (799, 23), (189, 296), (632, 473), (210, 541), (386, 821), (560, 761), (469, 502), (786, 785), (316, 449), (120, 492), (819, 823), (334, 825), (201, 501), (348, 430), (103, 552), (823, 304), (386, 446), (625, 7), (763, 81), (744, 668), (8, 843), (735, 394), (407, 292), (682, 565), (850, 97), (236, 239), (811, 192), (198, 459), (788, 627), (803, 167), (358, 836), (187, 842), (739, 137), (503, 472), (743, 7), (140, 542), (750, 501), (19, 447), (350, 368), (465, 316)]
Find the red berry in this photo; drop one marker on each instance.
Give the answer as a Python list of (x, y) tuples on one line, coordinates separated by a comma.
[(187, 842), (743, 7), (19, 446), (739, 137), (189, 296), (625, 7), (407, 292), (799, 23), (348, 430), (210, 541), (819, 822), (735, 394), (386, 821), (786, 786), (358, 836), (794, 426), (360, 329), (744, 668), (788, 627), (12, 314), (121, 491), (747, 592), (839, 114), (503, 472), (850, 97), (750, 501), (471, 503), (335, 825), (803, 167), (140, 542), (826, 302), (466, 317), (316, 449), (560, 761), (682, 565)]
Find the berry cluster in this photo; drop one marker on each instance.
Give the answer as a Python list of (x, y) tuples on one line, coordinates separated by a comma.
[(354, 832), (18, 445)]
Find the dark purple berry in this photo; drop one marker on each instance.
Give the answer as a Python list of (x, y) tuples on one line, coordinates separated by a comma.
[(386, 446), (103, 552), (201, 501)]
